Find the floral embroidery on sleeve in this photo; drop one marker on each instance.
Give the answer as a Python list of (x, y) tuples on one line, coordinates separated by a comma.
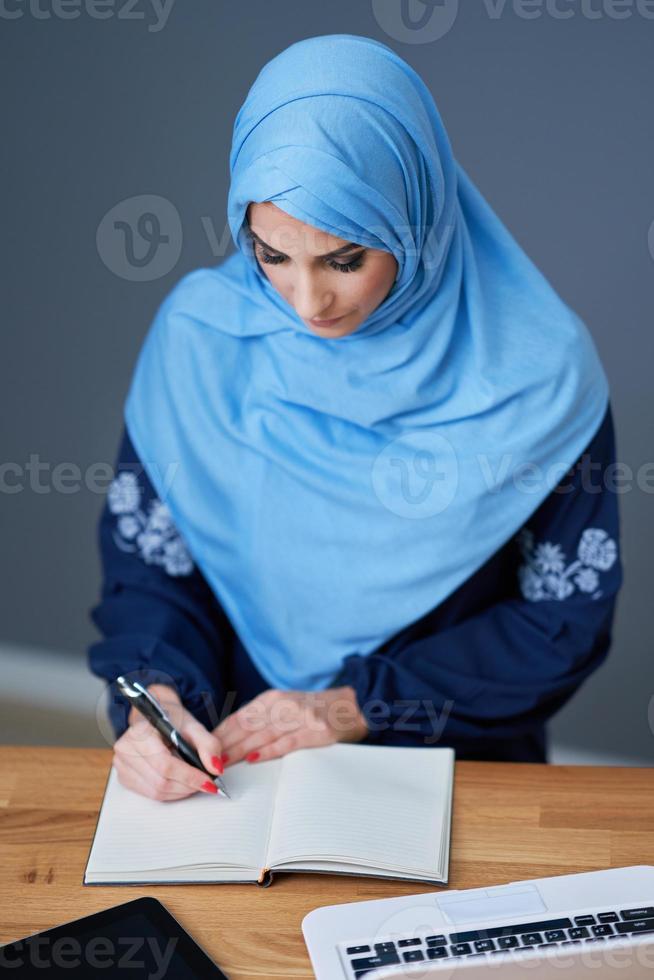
[(544, 574), (152, 534)]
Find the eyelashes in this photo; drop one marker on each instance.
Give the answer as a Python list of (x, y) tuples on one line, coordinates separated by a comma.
[(350, 266)]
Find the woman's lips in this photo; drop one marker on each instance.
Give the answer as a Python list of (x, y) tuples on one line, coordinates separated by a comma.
[(326, 323)]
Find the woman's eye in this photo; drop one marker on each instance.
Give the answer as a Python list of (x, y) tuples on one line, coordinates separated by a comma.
[(350, 266), (270, 259)]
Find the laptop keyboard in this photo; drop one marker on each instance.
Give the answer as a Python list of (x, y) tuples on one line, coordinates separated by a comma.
[(363, 957)]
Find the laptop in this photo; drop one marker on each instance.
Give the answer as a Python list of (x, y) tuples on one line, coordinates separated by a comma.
[(567, 926)]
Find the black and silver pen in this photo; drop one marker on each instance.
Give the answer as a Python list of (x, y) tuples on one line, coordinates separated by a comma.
[(145, 702)]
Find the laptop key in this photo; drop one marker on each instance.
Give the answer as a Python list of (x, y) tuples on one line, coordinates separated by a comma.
[(531, 938), (584, 920), (607, 917), (507, 942), (637, 925), (371, 962), (436, 940), (413, 956), (460, 949), (384, 948), (484, 945), (580, 933), (357, 949), (554, 935), (644, 913), (436, 952), (408, 942), (604, 930)]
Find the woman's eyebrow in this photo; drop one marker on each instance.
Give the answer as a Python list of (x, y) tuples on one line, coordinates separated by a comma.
[(327, 255)]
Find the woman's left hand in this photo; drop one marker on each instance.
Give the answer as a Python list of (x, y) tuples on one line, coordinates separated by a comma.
[(277, 722)]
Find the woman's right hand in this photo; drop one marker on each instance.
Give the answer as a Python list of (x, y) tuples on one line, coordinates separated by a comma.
[(145, 764)]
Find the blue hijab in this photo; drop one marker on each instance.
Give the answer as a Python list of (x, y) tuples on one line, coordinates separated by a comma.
[(334, 490)]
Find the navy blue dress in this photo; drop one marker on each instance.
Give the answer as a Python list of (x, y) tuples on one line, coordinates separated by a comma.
[(482, 672)]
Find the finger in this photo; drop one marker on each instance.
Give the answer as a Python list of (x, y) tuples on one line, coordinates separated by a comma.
[(142, 745), (249, 719), (234, 729), (251, 746), (303, 739), (155, 776), (282, 746), (142, 739), (172, 773), (208, 744), (133, 779), (155, 762), (139, 741)]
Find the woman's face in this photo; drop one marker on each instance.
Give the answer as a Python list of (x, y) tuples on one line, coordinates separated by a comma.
[(295, 258)]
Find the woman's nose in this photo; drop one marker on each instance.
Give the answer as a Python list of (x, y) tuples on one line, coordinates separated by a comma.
[(311, 299)]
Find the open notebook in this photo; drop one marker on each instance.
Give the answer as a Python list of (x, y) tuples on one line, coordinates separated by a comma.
[(369, 810)]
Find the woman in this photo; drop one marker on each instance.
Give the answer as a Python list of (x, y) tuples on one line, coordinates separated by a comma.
[(393, 528)]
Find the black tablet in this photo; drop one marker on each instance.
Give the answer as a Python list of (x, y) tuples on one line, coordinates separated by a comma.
[(140, 938)]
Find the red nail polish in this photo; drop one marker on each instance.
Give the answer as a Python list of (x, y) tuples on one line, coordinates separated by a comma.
[(252, 756), (209, 787), (224, 757), (217, 764)]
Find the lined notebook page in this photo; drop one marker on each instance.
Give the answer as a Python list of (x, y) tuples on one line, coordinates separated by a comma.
[(374, 805), (138, 834)]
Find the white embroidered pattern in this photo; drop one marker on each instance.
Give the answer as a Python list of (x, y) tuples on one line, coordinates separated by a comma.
[(545, 576), (152, 534)]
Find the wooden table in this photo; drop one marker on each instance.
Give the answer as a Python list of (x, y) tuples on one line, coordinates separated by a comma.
[(511, 821)]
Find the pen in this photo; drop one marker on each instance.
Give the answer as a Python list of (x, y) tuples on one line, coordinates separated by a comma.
[(145, 702)]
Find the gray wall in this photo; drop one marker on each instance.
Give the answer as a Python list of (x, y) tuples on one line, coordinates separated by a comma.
[(551, 116)]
